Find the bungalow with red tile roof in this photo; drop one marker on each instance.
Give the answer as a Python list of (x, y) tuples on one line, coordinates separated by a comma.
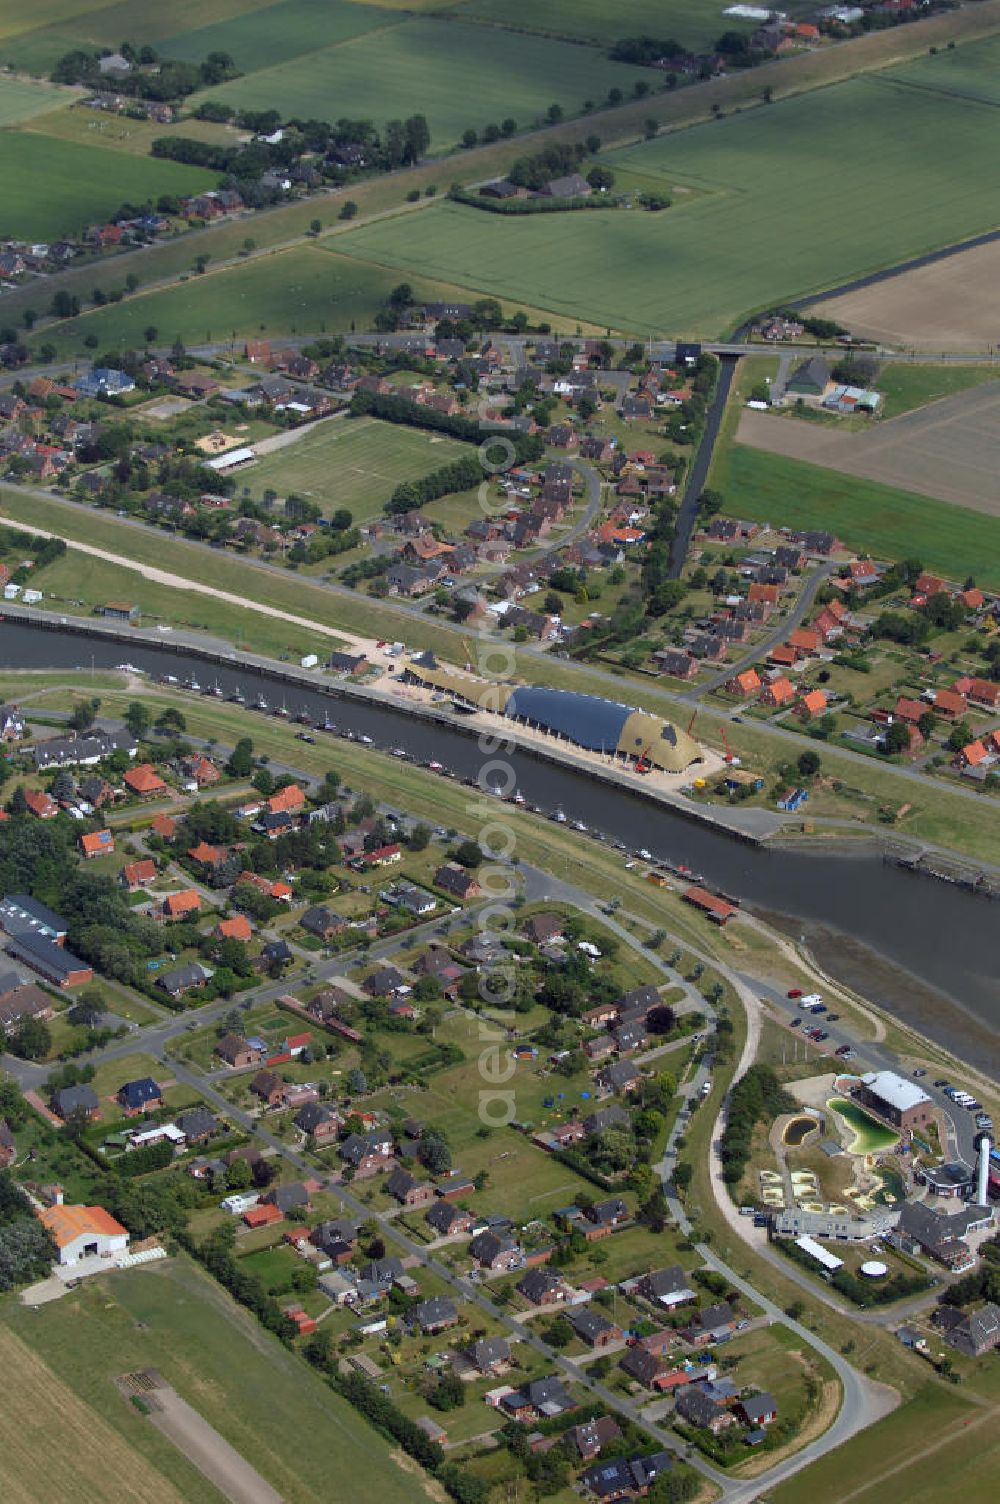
[(805, 639), (181, 905), (813, 703), (144, 781), (983, 692), (262, 1216), (930, 584), (165, 827), (777, 692), (41, 804), (745, 684), (136, 875), (949, 704), (768, 595), (288, 799), (97, 843), (972, 599), (783, 656), (972, 754), (383, 856), (910, 711), (238, 928), (206, 855)]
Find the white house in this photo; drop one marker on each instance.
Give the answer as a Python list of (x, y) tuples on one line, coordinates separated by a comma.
[(84, 1232)]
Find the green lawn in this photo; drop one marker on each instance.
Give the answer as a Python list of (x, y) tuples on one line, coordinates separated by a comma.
[(264, 1400), (793, 200), (905, 387), (888, 523), (54, 188), (456, 74), (352, 462)]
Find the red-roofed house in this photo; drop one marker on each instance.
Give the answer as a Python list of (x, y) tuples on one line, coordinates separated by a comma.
[(768, 595), (949, 704), (41, 804), (909, 710), (238, 928), (972, 599), (930, 584), (165, 826), (806, 639), (145, 781), (383, 856), (783, 656), (202, 770), (777, 692), (136, 875), (207, 855), (717, 909), (813, 703), (180, 905), (289, 799), (97, 843), (744, 684), (972, 754), (262, 1216), (983, 692)]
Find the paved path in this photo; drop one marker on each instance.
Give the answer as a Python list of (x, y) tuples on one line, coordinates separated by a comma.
[(209, 1452), (778, 633)]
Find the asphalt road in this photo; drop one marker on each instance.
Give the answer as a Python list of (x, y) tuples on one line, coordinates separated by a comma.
[(687, 513), (779, 632)]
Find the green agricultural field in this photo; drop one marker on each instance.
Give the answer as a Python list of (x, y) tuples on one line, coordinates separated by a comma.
[(276, 33), (886, 522), (20, 101), (264, 1400), (694, 23), (352, 462), (967, 73), (54, 188), (41, 33), (305, 290), (793, 200), (458, 75)]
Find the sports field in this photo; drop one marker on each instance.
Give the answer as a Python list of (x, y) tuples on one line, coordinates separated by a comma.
[(460, 76), (264, 1400), (794, 199), (881, 520), (53, 188), (351, 462), (305, 290)]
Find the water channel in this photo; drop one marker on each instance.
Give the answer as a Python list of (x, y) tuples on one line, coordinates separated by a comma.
[(926, 950)]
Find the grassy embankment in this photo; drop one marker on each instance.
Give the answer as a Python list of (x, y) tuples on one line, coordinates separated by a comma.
[(942, 816)]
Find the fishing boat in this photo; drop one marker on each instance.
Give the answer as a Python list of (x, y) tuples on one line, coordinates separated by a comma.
[(518, 797), (261, 704), (435, 767), (281, 711), (192, 684), (238, 697), (559, 817), (367, 741)]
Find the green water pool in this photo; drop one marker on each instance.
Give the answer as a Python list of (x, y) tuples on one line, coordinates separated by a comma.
[(870, 1136)]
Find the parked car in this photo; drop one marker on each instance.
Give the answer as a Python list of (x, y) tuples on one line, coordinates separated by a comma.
[(832, 1018), (795, 992), (919, 1071), (795, 1023)]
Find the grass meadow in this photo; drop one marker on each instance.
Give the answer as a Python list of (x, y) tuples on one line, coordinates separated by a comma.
[(264, 1400), (305, 290), (35, 37), (886, 522), (793, 198), (20, 100), (54, 188), (352, 462), (458, 75), (967, 73)]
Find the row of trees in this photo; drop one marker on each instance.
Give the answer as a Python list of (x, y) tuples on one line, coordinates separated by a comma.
[(758, 1097)]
